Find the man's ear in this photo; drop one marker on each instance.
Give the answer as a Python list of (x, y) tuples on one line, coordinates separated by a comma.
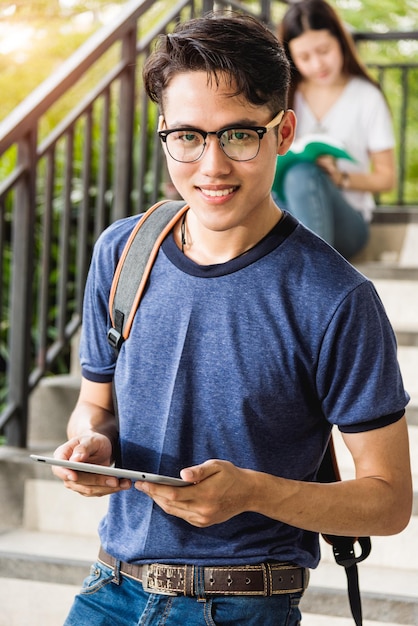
[(161, 126), (287, 131)]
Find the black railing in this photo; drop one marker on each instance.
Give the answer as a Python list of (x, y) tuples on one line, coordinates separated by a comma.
[(60, 188), (399, 81)]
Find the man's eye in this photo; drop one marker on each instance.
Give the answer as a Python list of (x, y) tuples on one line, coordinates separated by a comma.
[(187, 137), (238, 135), (242, 136)]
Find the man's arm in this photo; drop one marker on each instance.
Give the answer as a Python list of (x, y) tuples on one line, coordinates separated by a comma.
[(92, 438), (377, 502)]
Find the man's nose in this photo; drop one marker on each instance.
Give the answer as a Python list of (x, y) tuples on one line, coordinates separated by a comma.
[(214, 158)]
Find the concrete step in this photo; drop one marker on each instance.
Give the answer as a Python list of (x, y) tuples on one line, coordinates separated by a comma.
[(408, 255), (393, 237), (408, 362), (323, 599), (325, 620), (30, 603), (50, 507), (412, 414), (31, 502), (400, 298), (40, 573), (388, 586), (387, 270), (50, 406), (47, 556)]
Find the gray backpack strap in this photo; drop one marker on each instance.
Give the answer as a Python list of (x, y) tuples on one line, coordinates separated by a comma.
[(135, 264)]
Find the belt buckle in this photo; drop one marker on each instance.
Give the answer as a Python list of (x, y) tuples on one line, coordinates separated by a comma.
[(156, 579)]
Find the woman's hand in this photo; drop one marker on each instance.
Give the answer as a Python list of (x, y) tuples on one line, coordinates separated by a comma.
[(380, 178), (329, 165)]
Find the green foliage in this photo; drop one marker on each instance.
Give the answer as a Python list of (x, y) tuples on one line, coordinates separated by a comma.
[(368, 15)]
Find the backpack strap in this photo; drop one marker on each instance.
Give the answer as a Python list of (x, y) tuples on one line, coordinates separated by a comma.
[(343, 547), (135, 265)]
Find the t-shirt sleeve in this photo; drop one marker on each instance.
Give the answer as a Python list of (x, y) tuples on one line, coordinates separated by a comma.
[(97, 357), (359, 379)]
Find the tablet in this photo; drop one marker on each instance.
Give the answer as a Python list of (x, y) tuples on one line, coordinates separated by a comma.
[(118, 472)]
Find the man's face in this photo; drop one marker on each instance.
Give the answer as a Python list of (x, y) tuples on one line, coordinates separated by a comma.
[(224, 194)]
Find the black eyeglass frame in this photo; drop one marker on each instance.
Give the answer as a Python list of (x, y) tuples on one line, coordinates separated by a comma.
[(260, 130)]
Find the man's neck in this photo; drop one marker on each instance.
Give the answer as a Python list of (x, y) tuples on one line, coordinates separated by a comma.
[(209, 247)]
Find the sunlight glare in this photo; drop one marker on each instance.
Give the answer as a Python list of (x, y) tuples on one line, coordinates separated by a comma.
[(9, 10), (15, 38)]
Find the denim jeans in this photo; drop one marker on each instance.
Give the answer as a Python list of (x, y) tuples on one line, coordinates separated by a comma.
[(312, 197), (109, 600)]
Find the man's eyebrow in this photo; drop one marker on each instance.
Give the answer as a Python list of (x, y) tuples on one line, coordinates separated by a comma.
[(239, 123), (178, 124)]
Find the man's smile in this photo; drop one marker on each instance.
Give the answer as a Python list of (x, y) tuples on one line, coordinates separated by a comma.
[(217, 193)]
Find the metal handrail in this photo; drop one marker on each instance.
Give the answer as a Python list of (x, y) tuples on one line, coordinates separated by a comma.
[(34, 341), (100, 162)]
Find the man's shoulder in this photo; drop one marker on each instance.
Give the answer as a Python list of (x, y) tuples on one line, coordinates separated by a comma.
[(113, 239), (319, 259), (120, 229)]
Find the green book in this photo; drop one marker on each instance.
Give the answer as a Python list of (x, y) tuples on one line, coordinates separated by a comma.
[(307, 149)]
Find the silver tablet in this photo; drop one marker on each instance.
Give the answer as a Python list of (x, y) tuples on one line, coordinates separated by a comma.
[(118, 472)]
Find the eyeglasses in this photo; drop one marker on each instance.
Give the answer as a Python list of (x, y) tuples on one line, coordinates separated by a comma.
[(239, 143)]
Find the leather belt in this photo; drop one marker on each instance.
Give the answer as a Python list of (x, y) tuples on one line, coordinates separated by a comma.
[(264, 579)]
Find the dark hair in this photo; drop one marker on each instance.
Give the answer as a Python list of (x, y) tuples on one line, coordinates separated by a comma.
[(319, 15), (222, 44)]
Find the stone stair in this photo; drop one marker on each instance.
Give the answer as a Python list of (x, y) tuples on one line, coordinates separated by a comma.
[(48, 534)]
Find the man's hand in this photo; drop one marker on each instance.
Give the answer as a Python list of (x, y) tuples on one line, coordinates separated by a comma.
[(92, 432), (88, 448), (221, 491)]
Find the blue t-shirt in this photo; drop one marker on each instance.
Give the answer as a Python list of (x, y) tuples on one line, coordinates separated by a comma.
[(251, 361)]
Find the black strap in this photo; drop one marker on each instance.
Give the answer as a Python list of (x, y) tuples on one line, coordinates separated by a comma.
[(344, 547), (344, 554)]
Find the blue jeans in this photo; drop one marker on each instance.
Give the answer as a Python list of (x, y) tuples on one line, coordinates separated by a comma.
[(312, 197), (107, 599)]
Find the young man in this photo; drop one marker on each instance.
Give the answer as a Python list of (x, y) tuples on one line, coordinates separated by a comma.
[(253, 339)]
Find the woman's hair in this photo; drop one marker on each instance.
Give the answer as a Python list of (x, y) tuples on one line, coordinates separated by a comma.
[(234, 46), (319, 15)]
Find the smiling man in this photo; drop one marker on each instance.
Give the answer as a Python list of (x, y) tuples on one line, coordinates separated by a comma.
[(253, 338)]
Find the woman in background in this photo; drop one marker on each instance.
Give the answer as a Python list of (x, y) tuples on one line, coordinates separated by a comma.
[(333, 95)]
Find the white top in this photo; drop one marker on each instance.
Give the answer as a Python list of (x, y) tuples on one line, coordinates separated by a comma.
[(360, 119)]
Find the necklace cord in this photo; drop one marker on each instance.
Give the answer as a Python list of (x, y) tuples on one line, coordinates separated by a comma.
[(183, 231)]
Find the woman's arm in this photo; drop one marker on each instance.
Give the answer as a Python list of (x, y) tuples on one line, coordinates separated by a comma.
[(381, 177)]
